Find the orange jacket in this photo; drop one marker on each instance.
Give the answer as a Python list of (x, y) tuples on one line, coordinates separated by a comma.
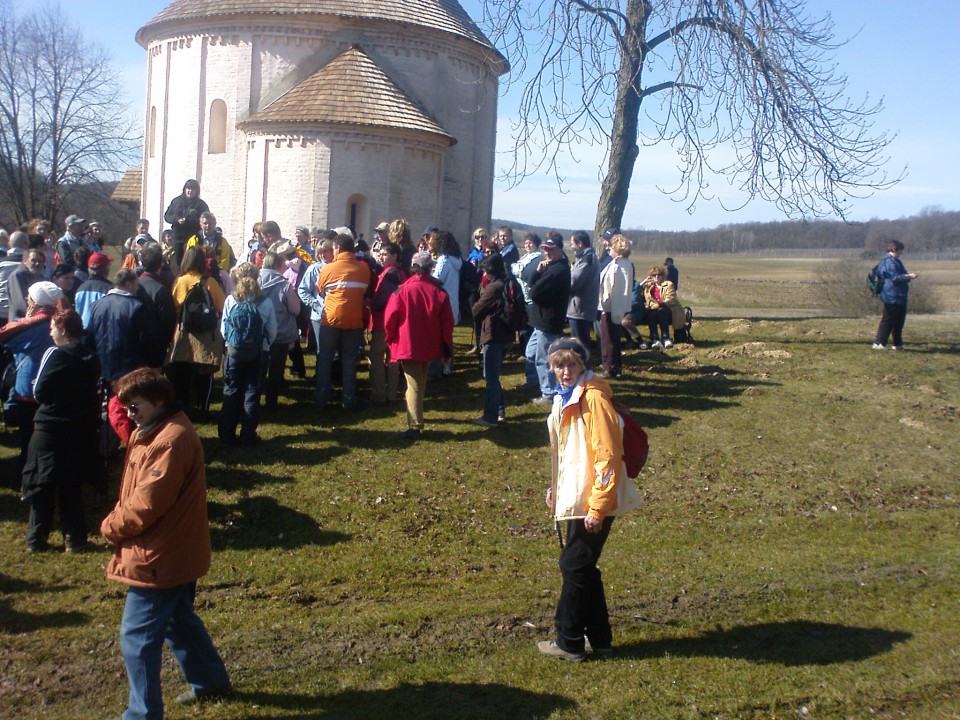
[(159, 529), (343, 284)]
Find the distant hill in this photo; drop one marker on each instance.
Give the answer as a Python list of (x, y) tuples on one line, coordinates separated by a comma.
[(932, 231)]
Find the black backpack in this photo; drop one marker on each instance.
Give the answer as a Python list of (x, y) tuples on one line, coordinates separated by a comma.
[(198, 315), (513, 306), (875, 280)]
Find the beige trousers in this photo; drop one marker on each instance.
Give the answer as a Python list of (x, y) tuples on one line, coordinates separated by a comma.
[(384, 375), (416, 374)]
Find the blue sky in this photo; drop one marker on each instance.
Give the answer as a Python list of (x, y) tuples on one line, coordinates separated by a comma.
[(906, 54)]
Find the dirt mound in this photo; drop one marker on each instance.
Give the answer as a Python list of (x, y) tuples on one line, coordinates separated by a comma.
[(738, 326), (752, 349)]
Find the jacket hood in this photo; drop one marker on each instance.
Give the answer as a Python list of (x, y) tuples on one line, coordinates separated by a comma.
[(270, 279)]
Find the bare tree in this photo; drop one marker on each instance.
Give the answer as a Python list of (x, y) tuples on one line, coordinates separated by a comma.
[(63, 118), (744, 89)]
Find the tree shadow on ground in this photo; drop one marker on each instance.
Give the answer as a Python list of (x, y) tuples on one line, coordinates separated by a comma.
[(429, 701), (789, 643), (261, 522), (15, 621)]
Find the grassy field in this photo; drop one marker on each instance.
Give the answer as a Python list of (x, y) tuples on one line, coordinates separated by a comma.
[(796, 555)]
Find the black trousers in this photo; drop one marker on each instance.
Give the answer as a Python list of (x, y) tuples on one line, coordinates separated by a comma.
[(892, 321), (582, 609), (660, 318)]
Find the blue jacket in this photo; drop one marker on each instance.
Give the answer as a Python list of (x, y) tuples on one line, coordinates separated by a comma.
[(28, 340), (307, 290), (896, 284), (88, 294), (125, 334)]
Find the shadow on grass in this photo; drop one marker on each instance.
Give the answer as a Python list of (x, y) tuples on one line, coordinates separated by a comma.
[(791, 643), (262, 522), (436, 700), (15, 621)]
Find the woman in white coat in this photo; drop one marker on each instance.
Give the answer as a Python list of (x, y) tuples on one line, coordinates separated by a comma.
[(616, 285)]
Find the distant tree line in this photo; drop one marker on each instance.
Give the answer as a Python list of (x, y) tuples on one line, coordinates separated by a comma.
[(931, 231)]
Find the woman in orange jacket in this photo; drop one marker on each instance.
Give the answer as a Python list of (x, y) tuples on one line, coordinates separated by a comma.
[(161, 547)]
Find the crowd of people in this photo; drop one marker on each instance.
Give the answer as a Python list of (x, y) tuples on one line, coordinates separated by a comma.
[(94, 363)]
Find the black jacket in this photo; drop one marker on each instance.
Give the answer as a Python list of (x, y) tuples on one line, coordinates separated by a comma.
[(190, 210), (549, 293), (155, 294), (66, 389)]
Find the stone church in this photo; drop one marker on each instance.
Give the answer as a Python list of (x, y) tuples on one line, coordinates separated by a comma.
[(321, 112)]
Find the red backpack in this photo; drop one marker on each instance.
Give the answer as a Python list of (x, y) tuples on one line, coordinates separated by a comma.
[(636, 446)]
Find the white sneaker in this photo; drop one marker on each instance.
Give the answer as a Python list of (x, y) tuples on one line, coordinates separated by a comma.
[(655, 345), (668, 343), (643, 346), (878, 346)]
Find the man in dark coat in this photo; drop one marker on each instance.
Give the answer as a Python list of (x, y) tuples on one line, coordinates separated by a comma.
[(549, 293), (20, 280), (154, 292), (123, 330)]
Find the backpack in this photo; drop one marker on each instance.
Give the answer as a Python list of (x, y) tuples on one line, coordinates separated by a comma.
[(469, 281), (875, 280), (198, 314), (636, 445), (244, 331), (513, 306)]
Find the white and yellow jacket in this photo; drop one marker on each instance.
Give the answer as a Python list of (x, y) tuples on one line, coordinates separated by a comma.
[(586, 442)]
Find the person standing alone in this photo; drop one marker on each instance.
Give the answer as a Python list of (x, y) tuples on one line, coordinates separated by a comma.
[(893, 295)]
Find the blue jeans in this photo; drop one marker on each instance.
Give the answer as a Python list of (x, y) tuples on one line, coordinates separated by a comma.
[(536, 353), (347, 342), (493, 404), (151, 616), (241, 397)]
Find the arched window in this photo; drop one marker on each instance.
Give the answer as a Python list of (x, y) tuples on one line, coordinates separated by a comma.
[(218, 127), (152, 132), (357, 212)]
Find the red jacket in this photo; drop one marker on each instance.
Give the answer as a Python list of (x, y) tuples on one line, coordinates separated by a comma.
[(419, 321)]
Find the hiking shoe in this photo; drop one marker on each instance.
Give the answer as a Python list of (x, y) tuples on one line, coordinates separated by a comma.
[(411, 434), (550, 649), (878, 346), (191, 697), (668, 343), (655, 345), (898, 347), (501, 417), (484, 422), (599, 653), (643, 346), (447, 370)]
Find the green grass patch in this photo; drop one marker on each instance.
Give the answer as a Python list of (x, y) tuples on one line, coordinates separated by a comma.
[(796, 554)]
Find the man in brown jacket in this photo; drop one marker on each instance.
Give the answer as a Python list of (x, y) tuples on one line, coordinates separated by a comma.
[(161, 546)]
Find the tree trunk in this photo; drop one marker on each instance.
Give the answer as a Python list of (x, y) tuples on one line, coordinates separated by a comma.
[(623, 136)]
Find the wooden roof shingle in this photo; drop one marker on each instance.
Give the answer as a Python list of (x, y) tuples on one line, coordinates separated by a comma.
[(350, 90), (129, 188), (444, 15)]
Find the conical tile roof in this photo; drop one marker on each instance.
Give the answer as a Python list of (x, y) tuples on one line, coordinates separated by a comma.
[(350, 90), (445, 15)]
